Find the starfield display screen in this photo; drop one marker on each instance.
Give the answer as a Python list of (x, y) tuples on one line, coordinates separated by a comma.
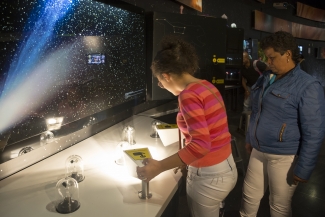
[(66, 59)]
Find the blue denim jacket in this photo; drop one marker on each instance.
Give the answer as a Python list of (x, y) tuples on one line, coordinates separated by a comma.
[(289, 119)]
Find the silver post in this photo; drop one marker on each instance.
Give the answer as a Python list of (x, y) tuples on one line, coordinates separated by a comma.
[(144, 193)]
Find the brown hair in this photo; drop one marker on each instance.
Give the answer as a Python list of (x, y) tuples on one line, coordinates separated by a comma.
[(176, 56), (281, 42)]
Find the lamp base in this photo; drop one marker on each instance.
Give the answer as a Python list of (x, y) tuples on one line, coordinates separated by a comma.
[(68, 205), (142, 195)]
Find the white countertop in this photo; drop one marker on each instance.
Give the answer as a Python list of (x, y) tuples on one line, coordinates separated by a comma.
[(107, 189)]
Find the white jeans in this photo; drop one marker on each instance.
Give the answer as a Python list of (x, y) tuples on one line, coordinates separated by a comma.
[(273, 171), (208, 186), (248, 102)]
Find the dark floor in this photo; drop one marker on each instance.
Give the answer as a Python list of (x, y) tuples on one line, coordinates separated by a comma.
[(308, 200)]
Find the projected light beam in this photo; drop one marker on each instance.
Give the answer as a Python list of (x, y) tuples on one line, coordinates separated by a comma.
[(34, 45), (18, 87), (38, 88)]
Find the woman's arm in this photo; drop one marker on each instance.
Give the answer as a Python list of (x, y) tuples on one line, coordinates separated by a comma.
[(312, 124)]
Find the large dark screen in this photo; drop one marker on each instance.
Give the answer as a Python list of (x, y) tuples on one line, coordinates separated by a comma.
[(63, 60)]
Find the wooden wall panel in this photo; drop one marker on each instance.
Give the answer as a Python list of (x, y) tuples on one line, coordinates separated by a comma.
[(308, 32), (195, 4), (311, 13), (268, 23)]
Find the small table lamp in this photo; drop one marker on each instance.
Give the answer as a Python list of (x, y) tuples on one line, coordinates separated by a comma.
[(154, 133), (68, 195)]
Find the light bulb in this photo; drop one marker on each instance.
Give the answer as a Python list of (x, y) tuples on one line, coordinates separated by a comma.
[(68, 195), (75, 168)]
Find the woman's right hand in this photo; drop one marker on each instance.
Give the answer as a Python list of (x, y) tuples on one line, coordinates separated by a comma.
[(150, 170), (248, 148)]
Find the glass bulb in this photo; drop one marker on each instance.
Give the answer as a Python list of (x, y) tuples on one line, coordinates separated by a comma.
[(46, 138), (68, 195), (154, 132), (129, 135), (75, 168), (119, 156)]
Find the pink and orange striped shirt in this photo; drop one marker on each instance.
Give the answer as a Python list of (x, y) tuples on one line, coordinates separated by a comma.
[(203, 121)]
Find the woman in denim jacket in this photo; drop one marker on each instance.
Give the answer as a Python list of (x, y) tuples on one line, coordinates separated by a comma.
[(286, 128)]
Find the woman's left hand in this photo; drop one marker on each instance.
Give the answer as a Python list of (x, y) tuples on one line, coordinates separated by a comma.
[(247, 93), (296, 180), (150, 170)]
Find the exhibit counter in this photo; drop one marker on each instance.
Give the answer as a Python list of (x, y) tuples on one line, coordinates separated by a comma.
[(108, 189)]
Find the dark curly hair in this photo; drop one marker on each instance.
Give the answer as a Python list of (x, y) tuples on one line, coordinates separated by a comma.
[(281, 42), (176, 57)]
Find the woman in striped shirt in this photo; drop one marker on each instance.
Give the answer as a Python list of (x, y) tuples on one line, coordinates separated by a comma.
[(202, 118)]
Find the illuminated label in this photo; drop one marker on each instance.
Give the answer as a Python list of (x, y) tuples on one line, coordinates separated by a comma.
[(214, 60), (139, 154), (166, 126), (220, 81), (221, 60)]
